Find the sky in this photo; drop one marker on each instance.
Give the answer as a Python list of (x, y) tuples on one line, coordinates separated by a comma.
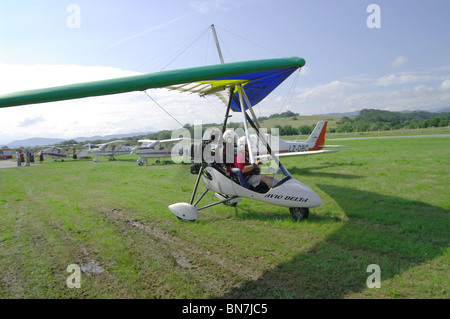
[(384, 54)]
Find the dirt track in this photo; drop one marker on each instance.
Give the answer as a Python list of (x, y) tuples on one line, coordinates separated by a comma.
[(9, 164)]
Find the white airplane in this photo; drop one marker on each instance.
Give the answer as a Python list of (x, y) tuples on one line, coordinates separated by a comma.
[(111, 149), (241, 85), (55, 152), (282, 148), (158, 149), (58, 152)]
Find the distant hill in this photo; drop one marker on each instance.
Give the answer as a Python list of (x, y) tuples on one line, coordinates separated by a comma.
[(283, 119), (109, 137), (373, 120), (446, 110), (43, 141), (34, 141), (355, 113)]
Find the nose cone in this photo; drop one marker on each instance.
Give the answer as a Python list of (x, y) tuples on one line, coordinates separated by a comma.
[(184, 211), (298, 194), (315, 199)]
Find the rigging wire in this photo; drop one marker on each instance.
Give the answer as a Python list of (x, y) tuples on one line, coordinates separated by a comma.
[(207, 46), (211, 103), (162, 108), (185, 49), (226, 47), (196, 37), (290, 92), (236, 35)]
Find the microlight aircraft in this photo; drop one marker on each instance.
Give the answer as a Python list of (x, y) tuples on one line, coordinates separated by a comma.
[(55, 153), (110, 150), (61, 152), (282, 148), (158, 149), (240, 85)]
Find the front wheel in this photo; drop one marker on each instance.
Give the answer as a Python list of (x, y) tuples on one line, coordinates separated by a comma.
[(299, 213)]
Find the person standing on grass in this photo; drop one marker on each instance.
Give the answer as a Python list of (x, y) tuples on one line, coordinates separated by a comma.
[(27, 158), (19, 162)]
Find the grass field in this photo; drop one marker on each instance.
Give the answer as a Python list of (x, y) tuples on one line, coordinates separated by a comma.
[(385, 202)]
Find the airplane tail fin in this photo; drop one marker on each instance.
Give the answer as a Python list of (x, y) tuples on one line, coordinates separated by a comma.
[(317, 137)]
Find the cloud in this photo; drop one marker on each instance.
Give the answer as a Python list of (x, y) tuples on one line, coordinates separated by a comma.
[(399, 61), (111, 114), (31, 121), (407, 78), (395, 92), (29, 77), (334, 88), (445, 85), (208, 6), (394, 79)]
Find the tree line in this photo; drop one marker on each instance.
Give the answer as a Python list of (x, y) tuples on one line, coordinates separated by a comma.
[(373, 120), (367, 120)]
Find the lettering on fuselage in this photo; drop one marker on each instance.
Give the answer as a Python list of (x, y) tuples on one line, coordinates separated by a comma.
[(286, 197)]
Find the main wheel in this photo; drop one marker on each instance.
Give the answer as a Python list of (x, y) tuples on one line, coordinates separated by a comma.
[(186, 220), (299, 213)]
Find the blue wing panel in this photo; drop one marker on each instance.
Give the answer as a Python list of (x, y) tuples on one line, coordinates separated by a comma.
[(260, 84)]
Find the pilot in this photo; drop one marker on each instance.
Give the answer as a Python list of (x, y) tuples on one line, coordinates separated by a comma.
[(251, 174)]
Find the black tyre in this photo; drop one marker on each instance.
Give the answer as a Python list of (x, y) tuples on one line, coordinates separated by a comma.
[(299, 213)]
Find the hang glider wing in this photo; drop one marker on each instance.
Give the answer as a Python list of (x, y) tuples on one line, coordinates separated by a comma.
[(259, 78)]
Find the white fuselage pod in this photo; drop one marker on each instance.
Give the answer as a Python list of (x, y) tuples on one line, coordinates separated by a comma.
[(288, 193)]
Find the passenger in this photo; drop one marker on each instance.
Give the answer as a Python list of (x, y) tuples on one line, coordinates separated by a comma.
[(226, 157), (250, 172)]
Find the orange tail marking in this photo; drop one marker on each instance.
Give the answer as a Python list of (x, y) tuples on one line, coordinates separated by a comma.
[(320, 142)]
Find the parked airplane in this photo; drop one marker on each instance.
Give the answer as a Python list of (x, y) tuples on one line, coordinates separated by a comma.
[(281, 148), (158, 149), (111, 149), (55, 153), (60, 152)]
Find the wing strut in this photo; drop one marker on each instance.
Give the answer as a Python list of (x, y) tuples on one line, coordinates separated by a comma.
[(255, 124), (250, 149), (224, 127)]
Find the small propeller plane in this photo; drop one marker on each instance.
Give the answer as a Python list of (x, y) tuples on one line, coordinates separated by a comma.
[(111, 149), (240, 85), (158, 149), (282, 148), (61, 152), (55, 152)]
